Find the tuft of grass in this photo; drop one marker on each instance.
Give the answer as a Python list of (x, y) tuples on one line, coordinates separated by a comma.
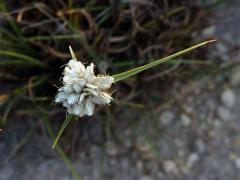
[(115, 36)]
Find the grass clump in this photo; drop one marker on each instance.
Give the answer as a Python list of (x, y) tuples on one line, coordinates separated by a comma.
[(34, 38)]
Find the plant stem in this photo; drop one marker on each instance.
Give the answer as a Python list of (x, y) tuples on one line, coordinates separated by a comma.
[(64, 125), (129, 73)]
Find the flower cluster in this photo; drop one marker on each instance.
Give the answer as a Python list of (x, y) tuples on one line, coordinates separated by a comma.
[(82, 90)]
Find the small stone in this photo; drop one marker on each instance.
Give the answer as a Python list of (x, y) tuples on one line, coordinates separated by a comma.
[(237, 163), (112, 161), (166, 117), (170, 166), (222, 48), (192, 159), (145, 178), (200, 146), (217, 123), (235, 77), (224, 113), (125, 163), (111, 149), (228, 98), (209, 31), (186, 121), (140, 165), (160, 175)]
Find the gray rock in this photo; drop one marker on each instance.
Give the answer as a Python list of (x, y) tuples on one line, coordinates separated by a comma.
[(112, 149), (235, 77), (228, 97), (200, 145), (209, 31), (145, 178), (170, 166), (186, 120), (166, 117), (224, 113), (192, 159), (237, 162)]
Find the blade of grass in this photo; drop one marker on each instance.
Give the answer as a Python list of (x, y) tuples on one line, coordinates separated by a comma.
[(19, 145), (14, 62), (24, 57), (7, 34), (14, 28), (130, 104), (8, 109), (60, 151), (190, 61), (55, 37), (3, 8), (67, 120), (129, 73)]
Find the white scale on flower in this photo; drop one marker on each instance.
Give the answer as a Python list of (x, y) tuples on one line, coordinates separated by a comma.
[(82, 90)]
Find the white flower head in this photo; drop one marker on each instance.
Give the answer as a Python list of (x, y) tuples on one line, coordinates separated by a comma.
[(82, 90)]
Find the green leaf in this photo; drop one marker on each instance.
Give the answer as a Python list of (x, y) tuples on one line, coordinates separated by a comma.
[(129, 73)]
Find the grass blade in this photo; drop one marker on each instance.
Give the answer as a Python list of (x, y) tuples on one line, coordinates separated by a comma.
[(24, 57), (63, 127), (56, 37), (60, 151), (137, 70)]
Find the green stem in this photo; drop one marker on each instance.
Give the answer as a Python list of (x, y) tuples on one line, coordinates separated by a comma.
[(66, 122), (127, 74)]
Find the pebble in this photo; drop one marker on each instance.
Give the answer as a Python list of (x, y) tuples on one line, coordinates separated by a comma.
[(185, 119), (139, 165), (223, 113), (160, 175), (228, 98), (145, 178), (111, 149), (237, 163), (222, 51), (221, 48), (192, 159), (209, 31), (200, 146), (124, 163), (166, 117), (170, 166), (235, 77)]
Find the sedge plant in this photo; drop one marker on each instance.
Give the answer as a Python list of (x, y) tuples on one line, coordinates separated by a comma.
[(82, 90)]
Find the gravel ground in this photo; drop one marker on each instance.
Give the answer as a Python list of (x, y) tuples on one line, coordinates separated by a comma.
[(196, 137)]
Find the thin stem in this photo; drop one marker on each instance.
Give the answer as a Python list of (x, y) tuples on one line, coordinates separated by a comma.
[(126, 74), (63, 127)]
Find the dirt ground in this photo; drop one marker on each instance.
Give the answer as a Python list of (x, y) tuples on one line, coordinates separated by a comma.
[(197, 138)]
